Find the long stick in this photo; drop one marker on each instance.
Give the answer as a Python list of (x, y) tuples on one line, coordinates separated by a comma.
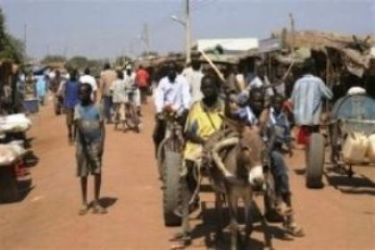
[(213, 66), (288, 71)]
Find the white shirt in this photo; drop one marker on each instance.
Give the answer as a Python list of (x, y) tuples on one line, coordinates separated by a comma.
[(118, 94), (175, 94), (90, 80), (129, 80), (194, 78)]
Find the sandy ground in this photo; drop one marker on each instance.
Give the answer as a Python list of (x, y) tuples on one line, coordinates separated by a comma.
[(340, 216)]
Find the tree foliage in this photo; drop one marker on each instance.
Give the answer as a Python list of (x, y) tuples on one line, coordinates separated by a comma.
[(53, 59), (122, 61), (77, 62), (10, 47)]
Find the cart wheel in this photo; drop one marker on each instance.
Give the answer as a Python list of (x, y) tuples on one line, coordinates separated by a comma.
[(172, 188), (315, 161)]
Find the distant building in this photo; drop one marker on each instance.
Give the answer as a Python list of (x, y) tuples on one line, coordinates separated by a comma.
[(229, 45)]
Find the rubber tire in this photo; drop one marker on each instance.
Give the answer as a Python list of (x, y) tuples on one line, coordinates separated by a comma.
[(171, 190), (8, 185), (315, 161), (160, 159)]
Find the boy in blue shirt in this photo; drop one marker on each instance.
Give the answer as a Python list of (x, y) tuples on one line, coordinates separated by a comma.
[(90, 135), (278, 136)]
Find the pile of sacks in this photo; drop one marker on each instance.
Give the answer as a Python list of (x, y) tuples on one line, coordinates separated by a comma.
[(358, 147), (11, 152), (14, 123)]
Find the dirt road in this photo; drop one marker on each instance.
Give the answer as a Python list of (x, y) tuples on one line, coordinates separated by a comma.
[(334, 218)]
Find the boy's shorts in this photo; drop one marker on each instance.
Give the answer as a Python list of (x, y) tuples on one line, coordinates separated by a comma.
[(69, 113), (89, 162)]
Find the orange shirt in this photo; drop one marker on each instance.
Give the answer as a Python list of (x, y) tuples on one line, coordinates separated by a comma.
[(142, 78)]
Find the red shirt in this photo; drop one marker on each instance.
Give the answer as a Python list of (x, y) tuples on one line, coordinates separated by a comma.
[(142, 78)]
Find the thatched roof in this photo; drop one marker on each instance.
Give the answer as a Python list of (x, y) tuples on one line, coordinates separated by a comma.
[(316, 39)]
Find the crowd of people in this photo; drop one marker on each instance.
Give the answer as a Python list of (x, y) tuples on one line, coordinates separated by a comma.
[(202, 104), (88, 105)]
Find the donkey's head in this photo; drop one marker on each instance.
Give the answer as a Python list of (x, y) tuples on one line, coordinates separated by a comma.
[(252, 155)]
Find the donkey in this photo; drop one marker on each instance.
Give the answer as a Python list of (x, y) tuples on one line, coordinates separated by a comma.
[(243, 158)]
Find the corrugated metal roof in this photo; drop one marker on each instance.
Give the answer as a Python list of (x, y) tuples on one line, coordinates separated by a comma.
[(228, 44)]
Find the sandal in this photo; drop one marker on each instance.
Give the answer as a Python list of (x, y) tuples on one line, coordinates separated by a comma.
[(84, 209), (98, 209), (181, 242), (283, 209), (294, 230)]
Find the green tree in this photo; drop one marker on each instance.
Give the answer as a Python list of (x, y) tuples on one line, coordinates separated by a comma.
[(121, 61), (77, 62), (53, 59), (10, 47)]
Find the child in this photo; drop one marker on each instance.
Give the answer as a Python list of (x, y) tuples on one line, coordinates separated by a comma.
[(279, 135), (90, 135)]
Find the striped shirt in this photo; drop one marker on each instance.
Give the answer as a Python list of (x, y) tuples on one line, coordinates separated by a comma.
[(307, 96)]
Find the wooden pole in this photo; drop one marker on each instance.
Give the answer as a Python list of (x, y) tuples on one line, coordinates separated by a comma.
[(213, 66)]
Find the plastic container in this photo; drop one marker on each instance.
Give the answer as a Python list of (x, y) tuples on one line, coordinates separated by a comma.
[(355, 148), (371, 148), (31, 105)]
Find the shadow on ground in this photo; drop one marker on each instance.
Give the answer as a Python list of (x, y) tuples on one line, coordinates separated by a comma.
[(107, 202), (357, 184), (207, 229)]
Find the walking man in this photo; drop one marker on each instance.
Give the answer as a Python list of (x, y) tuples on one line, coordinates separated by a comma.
[(118, 90), (69, 90), (88, 78), (307, 98), (90, 136), (194, 77), (107, 77), (142, 80), (54, 87)]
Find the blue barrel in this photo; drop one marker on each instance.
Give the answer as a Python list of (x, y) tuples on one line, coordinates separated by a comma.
[(31, 105)]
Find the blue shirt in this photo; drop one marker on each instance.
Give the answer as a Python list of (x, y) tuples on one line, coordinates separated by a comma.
[(307, 96), (90, 118), (281, 126), (41, 86), (71, 94)]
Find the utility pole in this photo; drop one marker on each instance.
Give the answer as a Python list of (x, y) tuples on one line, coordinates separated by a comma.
[(146, 37), (25, 39), (292, 29), (188, 31), (186, 22)]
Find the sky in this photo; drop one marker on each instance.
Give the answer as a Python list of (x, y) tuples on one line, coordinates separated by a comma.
[(108, 28)]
